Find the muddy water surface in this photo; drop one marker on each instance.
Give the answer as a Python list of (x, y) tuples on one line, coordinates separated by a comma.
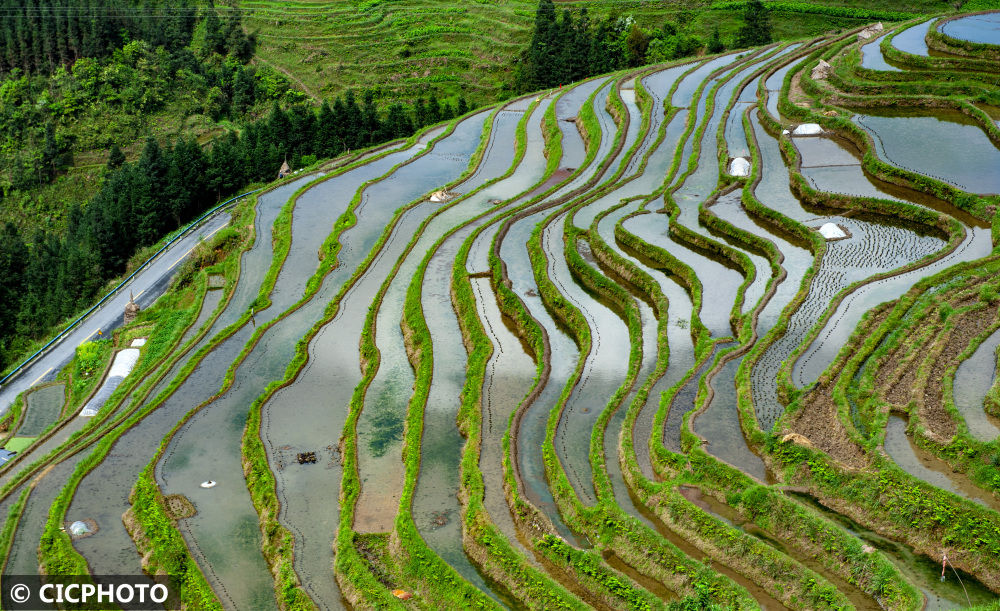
[(604, 370), (103, 493), (684, 401), (925, 466), (224, 531), (923, 572), (774, 83), (532, 166), (973, 380), (509, 373), (719, 295), (42, 409), (848, 178), (435, 503), (719, 424), (678, 337), (874, 246), (858, 598)]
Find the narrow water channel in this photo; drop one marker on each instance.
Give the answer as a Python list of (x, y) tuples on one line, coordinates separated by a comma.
[(957, 589), (872, 58), (973, 379), (911, 40), (923, 465)]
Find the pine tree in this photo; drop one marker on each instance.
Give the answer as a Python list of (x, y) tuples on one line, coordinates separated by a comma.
[(715, 44), (325, 140), (562, 54), (115, 157), (352, 121), (12, 263), (215, 42), (756, 28), (433, 110), (636, 44), (419, 113), (581, 46), (52, 157), (152, 210), (371, 125), (538, 60)]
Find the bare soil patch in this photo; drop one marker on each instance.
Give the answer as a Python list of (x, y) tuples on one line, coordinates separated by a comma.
[(818, 422), (178, 506), (935, 418)]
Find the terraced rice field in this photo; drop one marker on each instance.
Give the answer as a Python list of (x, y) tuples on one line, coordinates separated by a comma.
[(325, 47), (601, 371)]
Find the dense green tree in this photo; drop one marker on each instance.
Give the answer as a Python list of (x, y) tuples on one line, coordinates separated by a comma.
[(756, 28), (715, 44), (53, 153), (637, 43), (13, 258), (215, 42), (51, 277), (150, 186), (569, 47), (537, 65), (40, 35), (115, 157)]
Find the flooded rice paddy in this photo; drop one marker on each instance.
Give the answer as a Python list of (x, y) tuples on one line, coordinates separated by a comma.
[(621, 288)]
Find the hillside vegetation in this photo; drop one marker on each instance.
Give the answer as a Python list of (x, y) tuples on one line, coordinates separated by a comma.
[(404, 49)]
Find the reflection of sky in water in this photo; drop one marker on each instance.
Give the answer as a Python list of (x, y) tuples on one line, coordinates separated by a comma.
[(911, 40), (950, 151), (871, 56), (975, 28)]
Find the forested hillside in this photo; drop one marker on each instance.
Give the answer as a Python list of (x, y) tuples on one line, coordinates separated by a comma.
[(184, 81)]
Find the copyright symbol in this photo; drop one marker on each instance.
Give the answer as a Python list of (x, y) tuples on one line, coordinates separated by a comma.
[(20, 593)]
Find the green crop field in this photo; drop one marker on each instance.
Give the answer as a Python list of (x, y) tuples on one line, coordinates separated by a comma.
[(406, 49)]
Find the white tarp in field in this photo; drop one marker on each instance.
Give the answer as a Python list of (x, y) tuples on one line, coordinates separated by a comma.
[(832, 231), (739, 167), (123, 364), (808, 129)]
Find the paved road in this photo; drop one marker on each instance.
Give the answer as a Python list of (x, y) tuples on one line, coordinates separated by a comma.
[(147, 286)]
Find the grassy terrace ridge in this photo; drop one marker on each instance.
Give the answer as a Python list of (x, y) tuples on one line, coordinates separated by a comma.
[(783, 452), (607, 523), (634, 468), (65, 560)]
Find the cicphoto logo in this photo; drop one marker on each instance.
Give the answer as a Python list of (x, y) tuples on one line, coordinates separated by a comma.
[(126, 592)]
